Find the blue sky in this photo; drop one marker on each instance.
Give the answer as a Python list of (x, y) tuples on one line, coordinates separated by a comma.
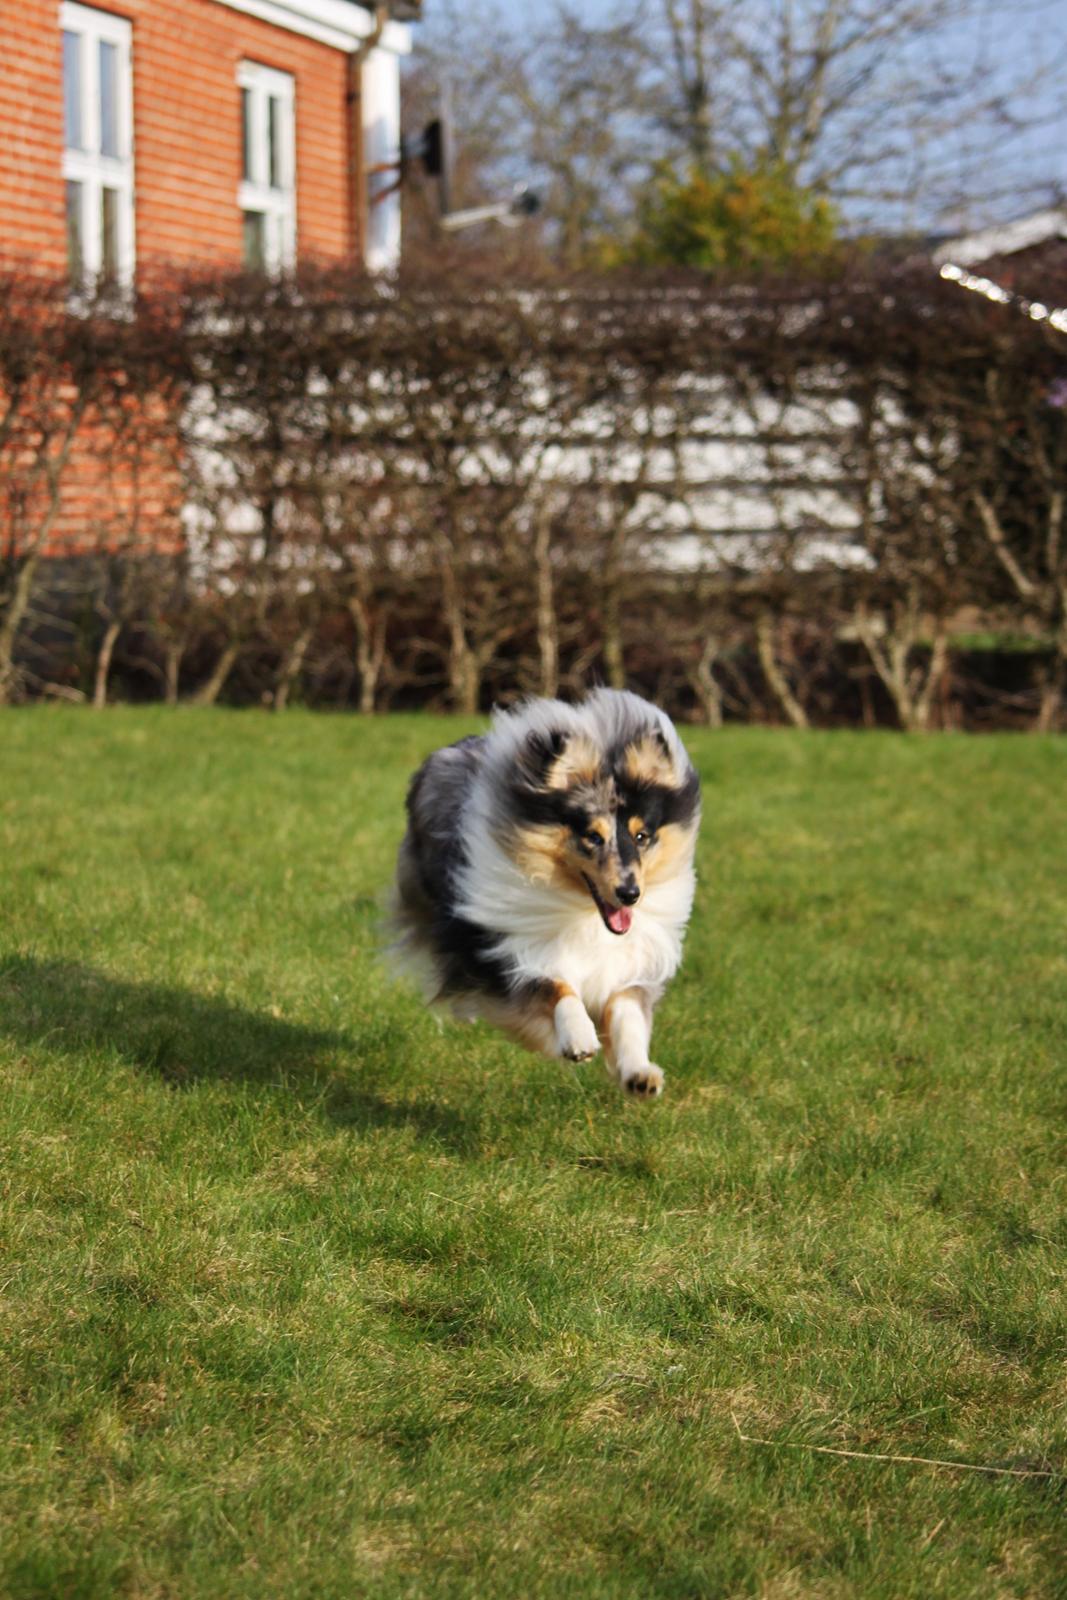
[(1018, 37)]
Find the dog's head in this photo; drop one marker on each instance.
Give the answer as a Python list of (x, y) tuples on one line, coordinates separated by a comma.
[(603, 819)]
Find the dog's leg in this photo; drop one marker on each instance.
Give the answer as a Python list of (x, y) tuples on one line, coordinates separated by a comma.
[(548, 1017), (627, 1031), (576, 1036)]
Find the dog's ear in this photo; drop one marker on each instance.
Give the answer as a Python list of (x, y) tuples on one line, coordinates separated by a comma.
[(540, 749), (544, 747), (648, 759), (555, 759)]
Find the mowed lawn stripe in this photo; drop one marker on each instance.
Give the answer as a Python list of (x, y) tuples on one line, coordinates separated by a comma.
[(304, 1294)]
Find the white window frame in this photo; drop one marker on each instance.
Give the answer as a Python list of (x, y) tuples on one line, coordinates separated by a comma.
[(276, 203), (94, 171)]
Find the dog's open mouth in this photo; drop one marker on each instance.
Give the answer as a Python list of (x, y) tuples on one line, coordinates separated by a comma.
[(617, 919)]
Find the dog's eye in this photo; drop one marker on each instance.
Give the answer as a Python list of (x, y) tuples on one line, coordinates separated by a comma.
[(641, 838), (593, 839)]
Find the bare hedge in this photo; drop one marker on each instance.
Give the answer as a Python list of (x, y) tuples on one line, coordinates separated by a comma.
[(824, 502)]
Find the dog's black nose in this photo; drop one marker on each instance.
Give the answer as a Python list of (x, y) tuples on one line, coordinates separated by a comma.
[(629, 894)]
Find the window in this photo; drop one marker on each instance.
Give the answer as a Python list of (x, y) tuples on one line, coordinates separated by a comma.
[(266, 194), (98, 143)]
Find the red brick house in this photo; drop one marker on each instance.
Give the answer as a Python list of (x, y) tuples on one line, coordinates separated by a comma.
[(198, 132), (153, 134)]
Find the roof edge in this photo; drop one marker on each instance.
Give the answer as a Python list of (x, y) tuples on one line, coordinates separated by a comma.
[(1004, 239), (339, 23)]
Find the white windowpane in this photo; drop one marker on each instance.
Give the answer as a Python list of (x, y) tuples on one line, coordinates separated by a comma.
[(246, 133), (75, 231), (273, 138), (73, 118), (109, 99), (109, 233), (254, 240)]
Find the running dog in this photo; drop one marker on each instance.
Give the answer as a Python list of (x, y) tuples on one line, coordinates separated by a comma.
[(546, 877)]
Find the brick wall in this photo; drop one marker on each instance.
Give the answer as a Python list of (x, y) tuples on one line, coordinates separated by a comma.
[(31, 133), (187, 132), (187, 167)]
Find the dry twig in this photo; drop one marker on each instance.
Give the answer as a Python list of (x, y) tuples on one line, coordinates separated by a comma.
[(922, 1461)]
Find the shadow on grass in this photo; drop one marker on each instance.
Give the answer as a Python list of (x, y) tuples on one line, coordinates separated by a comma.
[(185, 1039)]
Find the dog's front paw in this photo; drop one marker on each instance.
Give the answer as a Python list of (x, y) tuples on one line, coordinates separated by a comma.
[(645, 1082), (576, 1037)]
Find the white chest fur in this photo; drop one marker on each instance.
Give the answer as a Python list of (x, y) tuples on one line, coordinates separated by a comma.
[(543, 933)]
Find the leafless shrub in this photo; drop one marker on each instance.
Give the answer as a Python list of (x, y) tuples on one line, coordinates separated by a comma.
[(729, 496)]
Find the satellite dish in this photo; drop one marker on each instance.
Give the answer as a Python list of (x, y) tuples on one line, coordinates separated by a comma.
[(523, 203), (433, 150)]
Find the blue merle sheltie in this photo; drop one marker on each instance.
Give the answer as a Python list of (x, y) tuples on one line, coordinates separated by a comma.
[(546, 876)]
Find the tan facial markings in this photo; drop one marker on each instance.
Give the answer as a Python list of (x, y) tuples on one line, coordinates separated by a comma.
[(607, 871), (599, 828), (595, 856), (584, 857), (673, 844), (540, 853)]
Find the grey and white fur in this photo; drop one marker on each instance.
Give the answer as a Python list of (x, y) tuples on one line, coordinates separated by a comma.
[(546, 877)]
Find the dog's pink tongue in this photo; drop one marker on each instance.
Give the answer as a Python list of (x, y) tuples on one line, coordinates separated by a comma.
[(619, 919)]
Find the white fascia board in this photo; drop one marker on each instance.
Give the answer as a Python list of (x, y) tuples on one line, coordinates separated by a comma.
[(333, 22), (116, 30), (1005, 240)]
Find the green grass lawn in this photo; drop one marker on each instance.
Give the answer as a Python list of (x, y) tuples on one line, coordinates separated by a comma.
[(302, 1295)]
